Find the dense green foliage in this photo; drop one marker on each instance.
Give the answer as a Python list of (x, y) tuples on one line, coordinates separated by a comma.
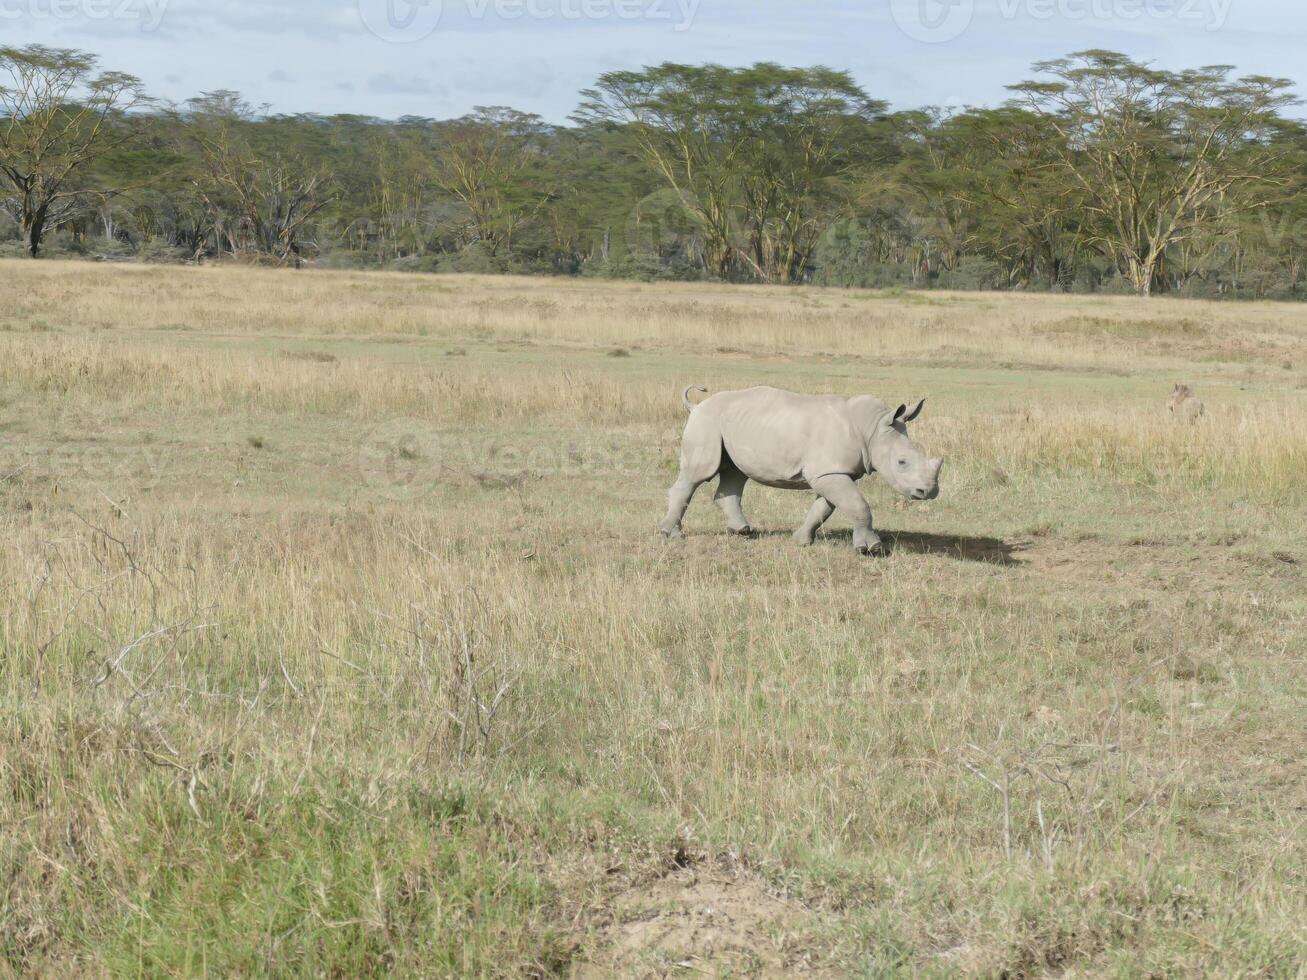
[(1100, 174)]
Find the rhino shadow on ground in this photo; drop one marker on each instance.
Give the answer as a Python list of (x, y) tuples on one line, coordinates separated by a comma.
[(989, 551), (986, 551)]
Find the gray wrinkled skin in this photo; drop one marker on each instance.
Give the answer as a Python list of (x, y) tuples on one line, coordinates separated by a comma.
[(1185, 405), (822, 443)]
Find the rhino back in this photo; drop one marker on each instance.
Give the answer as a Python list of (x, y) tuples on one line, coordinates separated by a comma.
[(776, 436)]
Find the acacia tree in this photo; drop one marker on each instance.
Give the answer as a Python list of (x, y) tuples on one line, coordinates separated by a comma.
[(491, 161), (814, 133), (1189, 181), (58, 118), (1264, 250), (992, 177), (760, 157), (1154, 156), (260, 202), (931, 190), (677, 117), (400, 189)]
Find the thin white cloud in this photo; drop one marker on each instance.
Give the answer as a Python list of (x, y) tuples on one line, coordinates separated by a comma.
[(523, 77), (392, 84), (320, 56)]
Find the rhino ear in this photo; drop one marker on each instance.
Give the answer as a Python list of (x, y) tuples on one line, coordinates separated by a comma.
[(912, 415), (889, 421)]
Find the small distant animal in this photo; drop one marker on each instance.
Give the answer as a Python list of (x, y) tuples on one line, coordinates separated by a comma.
[(822, 443), (1186, 405)]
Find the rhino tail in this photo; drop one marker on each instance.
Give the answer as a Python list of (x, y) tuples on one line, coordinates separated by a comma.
[(685, 396)]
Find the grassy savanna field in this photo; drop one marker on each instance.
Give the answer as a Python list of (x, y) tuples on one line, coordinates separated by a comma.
[(337, 638)]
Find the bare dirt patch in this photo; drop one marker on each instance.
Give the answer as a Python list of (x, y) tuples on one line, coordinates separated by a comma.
[(694, 923)]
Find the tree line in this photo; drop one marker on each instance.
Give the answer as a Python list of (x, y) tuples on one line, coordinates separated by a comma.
[(1098, 173)]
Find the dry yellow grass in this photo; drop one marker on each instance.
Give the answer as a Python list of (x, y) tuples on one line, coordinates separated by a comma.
[(337, 638)]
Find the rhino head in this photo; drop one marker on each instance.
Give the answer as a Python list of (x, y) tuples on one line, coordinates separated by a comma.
[(900, 461)]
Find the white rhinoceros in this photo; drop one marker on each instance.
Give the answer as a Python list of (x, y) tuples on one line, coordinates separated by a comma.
[(824, 443)]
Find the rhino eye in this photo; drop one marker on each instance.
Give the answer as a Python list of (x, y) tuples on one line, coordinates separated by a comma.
[(903, 462)]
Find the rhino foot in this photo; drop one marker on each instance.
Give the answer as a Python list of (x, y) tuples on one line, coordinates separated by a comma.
[(672, 533), (874, 548), (745, 532)]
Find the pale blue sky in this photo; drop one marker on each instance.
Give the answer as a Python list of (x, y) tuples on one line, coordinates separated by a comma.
[(441, 57)]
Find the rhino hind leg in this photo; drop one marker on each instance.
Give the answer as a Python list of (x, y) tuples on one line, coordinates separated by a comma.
[(730, 497), (701, 459), (818, 515), (843, 493), (678, 502)]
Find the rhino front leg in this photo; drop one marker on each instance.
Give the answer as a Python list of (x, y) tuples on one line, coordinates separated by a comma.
[(818, 515), (843, 493), (730, 499)]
